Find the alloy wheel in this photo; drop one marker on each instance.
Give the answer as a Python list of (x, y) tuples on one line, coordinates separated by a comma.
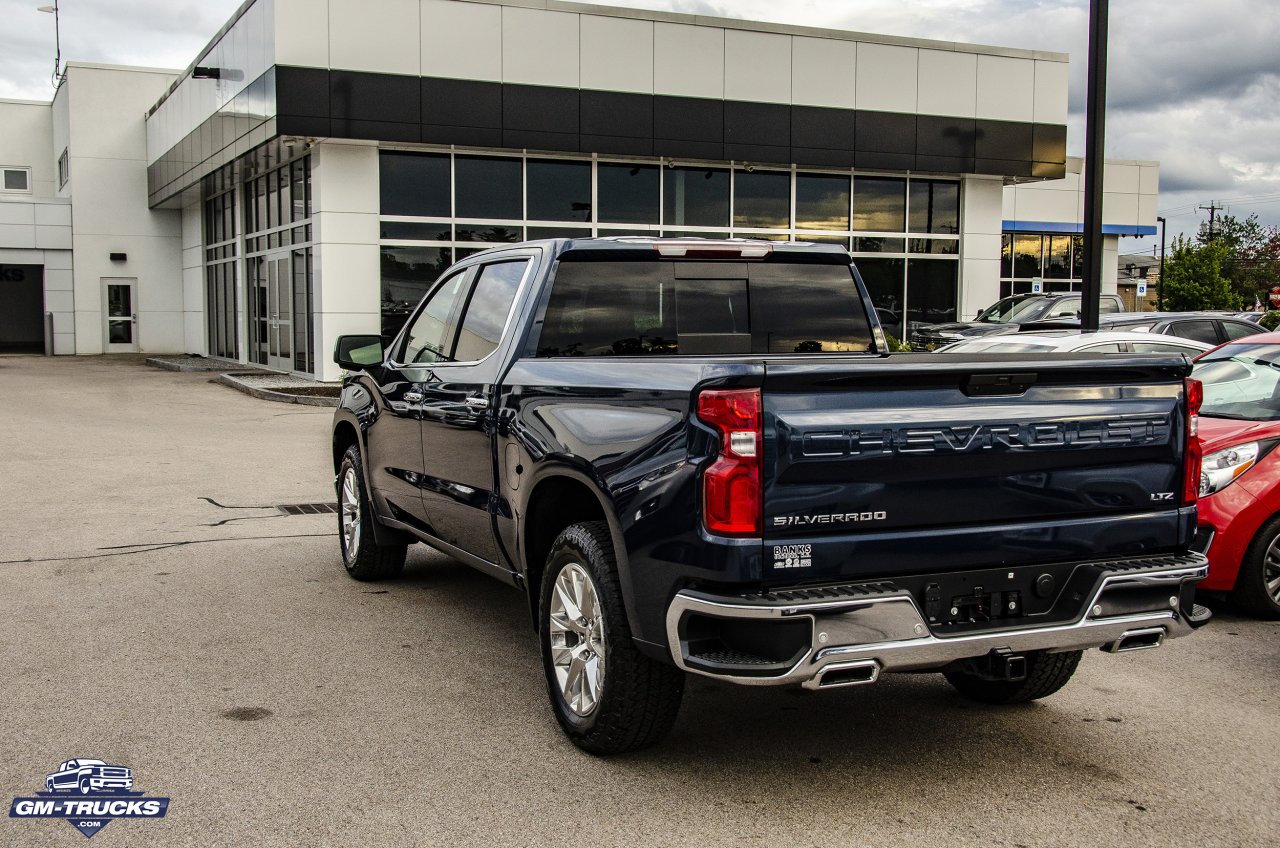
[(1271, 569), (349, 507), (577, 639)]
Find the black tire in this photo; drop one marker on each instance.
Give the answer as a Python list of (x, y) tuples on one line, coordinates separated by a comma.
[(1046, 674), (640, 696), (366, 560), (85, 788), (1250, 592)]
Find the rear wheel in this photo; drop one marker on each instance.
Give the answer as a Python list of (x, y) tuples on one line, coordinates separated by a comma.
[(363, 557), (1046, 674), (1258, 584), (607, 696)]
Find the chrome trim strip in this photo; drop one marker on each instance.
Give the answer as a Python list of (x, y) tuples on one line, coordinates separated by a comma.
[(891, 631)]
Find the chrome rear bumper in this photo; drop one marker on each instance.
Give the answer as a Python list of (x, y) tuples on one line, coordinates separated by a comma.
[(856, 632)]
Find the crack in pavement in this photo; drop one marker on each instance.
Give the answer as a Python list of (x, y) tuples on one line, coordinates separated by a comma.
[(146, 548), (229, 506)]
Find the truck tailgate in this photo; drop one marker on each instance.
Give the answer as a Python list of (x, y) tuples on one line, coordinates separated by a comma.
[(894, 465)]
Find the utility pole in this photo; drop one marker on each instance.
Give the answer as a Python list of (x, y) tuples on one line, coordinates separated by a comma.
[(1094, 165), (1211, 208), (1160, 282)]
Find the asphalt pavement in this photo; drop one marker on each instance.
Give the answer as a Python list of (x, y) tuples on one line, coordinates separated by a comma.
[(158, 610)]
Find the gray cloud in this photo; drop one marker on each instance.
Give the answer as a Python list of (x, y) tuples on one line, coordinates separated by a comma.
[(1191, 84)]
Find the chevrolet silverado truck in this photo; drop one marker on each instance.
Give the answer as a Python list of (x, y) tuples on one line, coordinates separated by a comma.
[(697, 457)]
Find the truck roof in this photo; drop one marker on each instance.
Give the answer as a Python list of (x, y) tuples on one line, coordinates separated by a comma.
[(645, 247)]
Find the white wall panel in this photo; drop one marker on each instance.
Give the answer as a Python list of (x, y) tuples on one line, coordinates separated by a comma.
[(947, 83), (823, 72), (539, 47), (1050, 92), (1006, 88), (687, 60), (757, 66), (887, 77), (1121, 178), (382, 37), (617, 54), (301, 33), (461, 40)]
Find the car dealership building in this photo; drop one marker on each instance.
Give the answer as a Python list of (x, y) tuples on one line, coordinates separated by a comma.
[(318, 165)]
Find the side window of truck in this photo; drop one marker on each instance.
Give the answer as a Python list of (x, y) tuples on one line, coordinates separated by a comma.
[(1108, 305), (431, 335), (487, 309)]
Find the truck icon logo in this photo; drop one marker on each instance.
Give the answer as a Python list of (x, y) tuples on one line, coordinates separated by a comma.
[(89, 793)]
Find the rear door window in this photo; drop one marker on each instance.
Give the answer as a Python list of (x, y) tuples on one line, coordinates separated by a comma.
[(1239, 329), (1200, 330), (636, 308)]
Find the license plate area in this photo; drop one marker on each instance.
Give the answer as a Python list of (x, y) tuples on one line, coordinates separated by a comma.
[(1002, 597)]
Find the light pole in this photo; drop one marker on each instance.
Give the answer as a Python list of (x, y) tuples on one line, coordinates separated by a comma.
[(1160, 285), (1096, 111), (57, 39)]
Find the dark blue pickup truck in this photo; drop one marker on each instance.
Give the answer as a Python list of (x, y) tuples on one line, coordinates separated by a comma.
[(698, 457)]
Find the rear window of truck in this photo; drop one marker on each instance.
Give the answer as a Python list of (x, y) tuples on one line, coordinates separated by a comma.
[(702, 308)]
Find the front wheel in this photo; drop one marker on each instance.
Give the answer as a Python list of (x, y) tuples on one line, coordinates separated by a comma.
[(1046, 674), (607, 695), (1257, 587), (363, 557)]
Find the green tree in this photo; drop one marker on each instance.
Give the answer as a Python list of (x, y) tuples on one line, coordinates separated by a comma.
[(1193, 277), (1251, 263)]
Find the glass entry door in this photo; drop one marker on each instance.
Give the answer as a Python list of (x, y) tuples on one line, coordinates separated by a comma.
[(121, 313), (271, 340)]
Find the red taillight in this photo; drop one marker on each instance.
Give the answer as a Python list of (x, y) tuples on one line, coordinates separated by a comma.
[(731, 484), (1191, 482)]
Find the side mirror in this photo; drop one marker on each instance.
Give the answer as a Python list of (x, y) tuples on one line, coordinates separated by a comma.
[(356, 353)]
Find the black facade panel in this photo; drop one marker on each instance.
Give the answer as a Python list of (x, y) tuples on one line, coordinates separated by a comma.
[(771, 154), (885, 132), (945, 136), (375, 130), (819, 127), (302, 91), (686, 149), (540, 108), (616, 145), (1049, 143), (873, 160), (688, 118), (362, 96), (534, 140), (1005, 167), (616, 114), (304, 125), (465, 136), (1004, 140), (1049, 170), (461, 103), (818, 157), (945, 164), (757, 123)]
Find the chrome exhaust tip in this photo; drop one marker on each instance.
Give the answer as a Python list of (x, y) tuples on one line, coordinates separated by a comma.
[(1137, 640), (846, 674)]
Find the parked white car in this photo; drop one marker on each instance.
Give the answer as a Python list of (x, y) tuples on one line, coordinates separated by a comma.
[(1070, 341)]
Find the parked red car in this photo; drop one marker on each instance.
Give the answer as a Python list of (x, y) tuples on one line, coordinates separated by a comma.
[(1239, 508)]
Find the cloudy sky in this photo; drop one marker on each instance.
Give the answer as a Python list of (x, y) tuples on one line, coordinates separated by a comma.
[(1192, 84)]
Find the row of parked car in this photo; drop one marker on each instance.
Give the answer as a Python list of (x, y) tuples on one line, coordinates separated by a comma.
[(1238, 363)]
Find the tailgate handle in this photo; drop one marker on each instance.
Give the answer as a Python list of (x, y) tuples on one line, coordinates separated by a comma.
[(986, 385)]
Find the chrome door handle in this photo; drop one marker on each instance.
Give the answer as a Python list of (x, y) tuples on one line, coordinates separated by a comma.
[(413, 397), (477, 403)]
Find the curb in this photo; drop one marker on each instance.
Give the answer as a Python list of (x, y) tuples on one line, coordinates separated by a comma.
[(268, 394), (169, 365)]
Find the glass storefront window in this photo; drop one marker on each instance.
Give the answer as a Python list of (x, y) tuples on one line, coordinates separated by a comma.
[(627, 194), (931, 291), (415, 231), (695, 197), (407, 274), (413, 184), (937, 247), (935, 206), (559, 191), (1057, 257), (488, 187), (879, 204), (1006, 257), (1077, 257), (875, 244), (489, 232), (762, 199), (885, 283), (1026, 256), (822, 202)]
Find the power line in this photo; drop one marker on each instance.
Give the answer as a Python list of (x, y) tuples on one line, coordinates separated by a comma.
[(1213, 208)]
